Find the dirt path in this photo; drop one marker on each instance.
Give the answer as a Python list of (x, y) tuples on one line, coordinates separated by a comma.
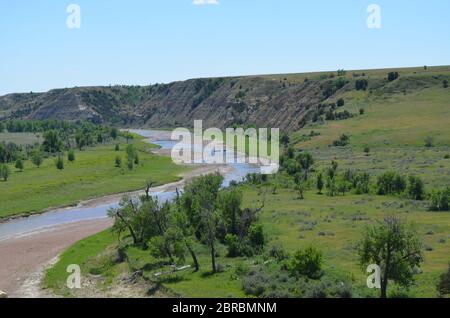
[(23, 260)]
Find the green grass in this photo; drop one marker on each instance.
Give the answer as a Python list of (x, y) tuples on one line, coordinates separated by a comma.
[(343, 219), (93, 174), (84, 253)]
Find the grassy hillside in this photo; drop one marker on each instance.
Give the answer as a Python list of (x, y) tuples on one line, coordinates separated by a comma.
[(283, 101), (405, 126), (93, 174)]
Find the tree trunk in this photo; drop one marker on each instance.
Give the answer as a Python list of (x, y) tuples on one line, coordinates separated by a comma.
[(213, 258), (194, 257), (384, 284)]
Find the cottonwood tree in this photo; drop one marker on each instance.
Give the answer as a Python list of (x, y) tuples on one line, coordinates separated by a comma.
[(37, 158), (306, 161), (395, 248), (199, 202)]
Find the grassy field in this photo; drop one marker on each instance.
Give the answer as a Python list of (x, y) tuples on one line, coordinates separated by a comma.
[(93, 174), (338, 224), (20, 138)]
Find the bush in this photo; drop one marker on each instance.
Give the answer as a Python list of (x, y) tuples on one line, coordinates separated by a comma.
[(59, 163), (71, 155), (255, 283), (37, 159), (118, 162), (390, 182), (440, 200), (445, 84), (362, 183), (307, 262), (443, 286), (415, 189), (447, 156), (233, 244), (340, 102), (256, 237), (392, 76), (19, 164), (429, 142), (361, 85), (117, 147), (343, 141), (4, 172), (361, 111)]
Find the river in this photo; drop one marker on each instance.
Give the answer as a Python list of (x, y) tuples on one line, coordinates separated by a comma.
[(48, 220)]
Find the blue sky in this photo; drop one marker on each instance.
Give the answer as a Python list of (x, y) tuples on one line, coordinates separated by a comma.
[(147, 41)]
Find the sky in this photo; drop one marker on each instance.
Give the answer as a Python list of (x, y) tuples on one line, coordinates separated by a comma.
[(142, 42)]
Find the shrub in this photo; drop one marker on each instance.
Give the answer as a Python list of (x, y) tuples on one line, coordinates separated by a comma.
[(19, 164), (361, 84), (118, 162), (429, 142), (362, 183), (366, 150), (256, 237), (343, 141), (392, 76), (415, 189), (4, 172), (445, 83), (307, 262), (361, 111), (447, 156), (390, 182), (443, 286), (59, 163), (71, 155), (233, 244), (440, 200), (340, 102), (117, 147), (37, 159), (255, 283)]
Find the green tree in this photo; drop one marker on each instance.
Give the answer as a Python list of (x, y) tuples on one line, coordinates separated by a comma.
[(59, 162), (415, 189), (37, 158), (306, 262), (118, 161), (395, 248), (306, 161), (117, 147), (4, 172), (445, 83), (319, 182), (440, 200), (199, 201), (52, 143), (19, 164), (71, 155)]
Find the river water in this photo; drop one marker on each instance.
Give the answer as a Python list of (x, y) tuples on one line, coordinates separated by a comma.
[(25, 226)]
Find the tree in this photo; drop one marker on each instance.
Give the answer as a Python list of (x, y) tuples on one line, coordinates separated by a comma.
[(415, 189), (300, 186), (392, 76), (307, 262), (361, 111), (4, 172), (71, 155), (306, 161), (59, 162), (395, 248), (118, 161), (117, 147), (367, 150), (390, 182), (319, 182), (199, 201), (37, 158), (19, 164), (343, 186), (52, 143), (445, 83), (114, 133), (440, 200), (429, 142), (340, 102)]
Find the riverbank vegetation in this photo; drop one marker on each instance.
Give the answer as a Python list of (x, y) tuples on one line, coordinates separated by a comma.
[(55, 172)]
